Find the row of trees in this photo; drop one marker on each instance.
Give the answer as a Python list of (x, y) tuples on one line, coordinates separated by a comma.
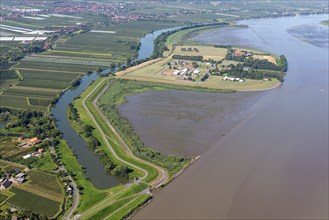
[(186, 57), (94, 144), (36, 123), (160, 41)]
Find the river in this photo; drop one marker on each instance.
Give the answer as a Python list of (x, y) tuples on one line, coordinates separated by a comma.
[(274, 163), (94, 167)]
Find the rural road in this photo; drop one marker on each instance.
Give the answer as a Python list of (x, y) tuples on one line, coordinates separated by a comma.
[(161, 179), (75, 191)]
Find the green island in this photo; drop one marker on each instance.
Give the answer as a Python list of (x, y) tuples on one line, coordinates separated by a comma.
[(325, 22), (46, 52)]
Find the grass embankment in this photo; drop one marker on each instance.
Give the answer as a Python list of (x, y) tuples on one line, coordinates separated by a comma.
[(109, 205), (84, 117), (114, 97), (94, 200), (89, 194)]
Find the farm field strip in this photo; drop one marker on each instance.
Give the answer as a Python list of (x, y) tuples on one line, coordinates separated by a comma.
[(66, 61), (68, 57), (30, 201)]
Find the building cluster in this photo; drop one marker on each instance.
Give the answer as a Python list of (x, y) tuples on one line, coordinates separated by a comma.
[(37, 153), (242, 53), (187, 74), (25, 143), (118, 12), (232, 79), (16, 177)]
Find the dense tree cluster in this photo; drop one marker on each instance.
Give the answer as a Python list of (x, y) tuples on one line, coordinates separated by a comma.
[(36, 123)]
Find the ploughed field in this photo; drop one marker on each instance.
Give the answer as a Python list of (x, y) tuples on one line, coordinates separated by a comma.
[(185, 123)]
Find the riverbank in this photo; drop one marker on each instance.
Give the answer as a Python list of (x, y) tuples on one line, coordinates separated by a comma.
[(271, 152), (146, 172), (190, 63)]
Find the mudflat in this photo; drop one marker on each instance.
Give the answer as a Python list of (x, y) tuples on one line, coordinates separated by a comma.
[(185, 123), (274, 163)]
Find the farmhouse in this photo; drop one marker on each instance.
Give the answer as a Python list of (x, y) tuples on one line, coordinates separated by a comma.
[(239, 53), (27, 156), (5, 184), (35, 141), (232, 79)]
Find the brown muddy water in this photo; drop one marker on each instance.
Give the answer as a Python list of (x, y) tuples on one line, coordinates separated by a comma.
[(274, 163), (185, 123)]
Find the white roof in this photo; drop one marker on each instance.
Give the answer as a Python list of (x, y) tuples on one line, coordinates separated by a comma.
[(27, 156)]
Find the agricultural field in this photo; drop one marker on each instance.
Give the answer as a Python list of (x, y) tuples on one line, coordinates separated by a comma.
[(42, 193), (36, 184), (2, 198), (10, 151), (37, 79), (42, 79), (208, 52), (108, 44), (6, 166), (33, 202)]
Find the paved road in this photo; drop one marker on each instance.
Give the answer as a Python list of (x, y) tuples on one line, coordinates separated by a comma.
[(160, 180), (75, 191)]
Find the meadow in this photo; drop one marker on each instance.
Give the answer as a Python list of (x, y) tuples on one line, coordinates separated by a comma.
[(208, 52)]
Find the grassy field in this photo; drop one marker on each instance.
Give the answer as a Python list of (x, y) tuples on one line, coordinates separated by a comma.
[(208, 52), (30, 201), (130, 207)]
